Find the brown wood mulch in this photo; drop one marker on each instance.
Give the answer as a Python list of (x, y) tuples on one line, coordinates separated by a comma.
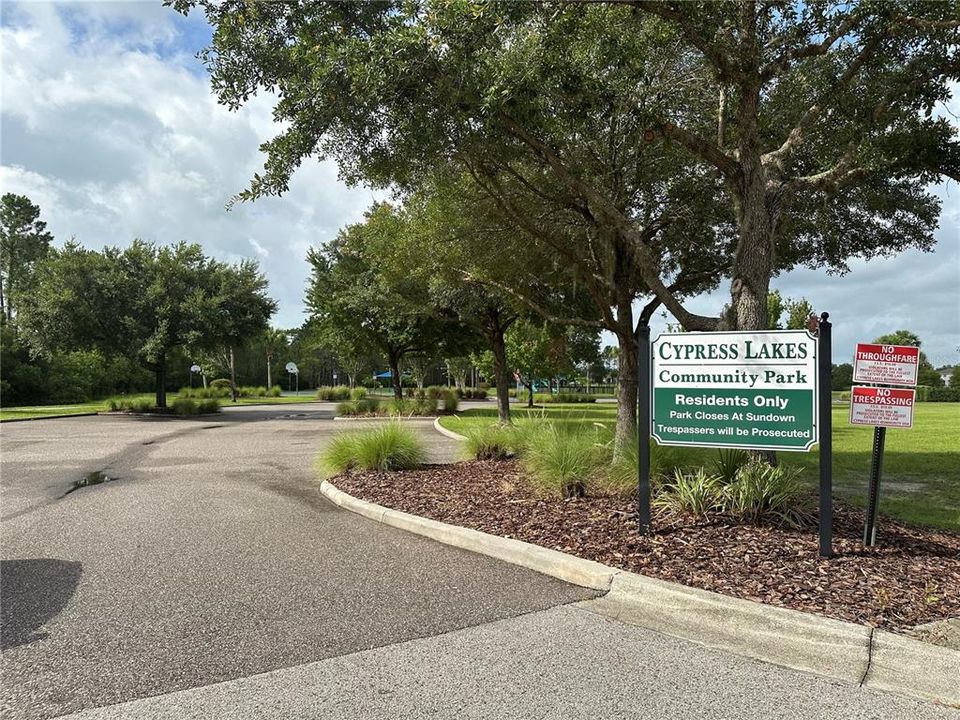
[(912, 577)]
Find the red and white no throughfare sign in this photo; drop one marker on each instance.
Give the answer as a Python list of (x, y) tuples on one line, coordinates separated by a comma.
[(881, 407), (886, 364)]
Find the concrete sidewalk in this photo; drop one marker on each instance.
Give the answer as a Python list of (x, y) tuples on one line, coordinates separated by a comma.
[(559, 663)]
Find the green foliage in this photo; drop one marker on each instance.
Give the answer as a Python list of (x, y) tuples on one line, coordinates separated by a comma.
[(955, 376), (493, 442), (561, 459), (944, 394), (728, 463), (417, 406), (132, 405), (841, 377), (221, 383), (758, 492), (337, 393), (24, 242), (469, 393), (274, 391), (564, 397), (367, 406), (762, 492), (389, 446), (210, 392), (358, 393), (450, 401), (695, 492), (143, 302), (926, 374), (185, 406), (620, 476)]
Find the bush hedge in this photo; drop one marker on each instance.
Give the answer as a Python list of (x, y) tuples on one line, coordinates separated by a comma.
[(944, 394)]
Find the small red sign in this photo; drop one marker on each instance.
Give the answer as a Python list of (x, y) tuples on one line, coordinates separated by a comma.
[(886, 364), (882, 407)]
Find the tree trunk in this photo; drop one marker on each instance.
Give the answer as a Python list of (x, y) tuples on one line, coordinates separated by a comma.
[(269, 376), (160, 373), (501, 372), (626, 429), (233, 377), (394, 360)]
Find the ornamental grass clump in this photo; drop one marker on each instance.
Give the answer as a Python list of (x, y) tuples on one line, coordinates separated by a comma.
[(389, 446), (494, 442), (765, 493), (695, 492), (621, 476), (561, 459)]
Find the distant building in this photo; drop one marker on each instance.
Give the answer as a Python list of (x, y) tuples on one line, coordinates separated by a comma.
[(945, 372)]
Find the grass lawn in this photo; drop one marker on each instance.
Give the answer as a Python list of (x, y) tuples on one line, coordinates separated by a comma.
[(41, 411), (921, 469)]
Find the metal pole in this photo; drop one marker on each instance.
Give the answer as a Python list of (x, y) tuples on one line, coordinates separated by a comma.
[(643, 427), (873, 503), (825, 371)]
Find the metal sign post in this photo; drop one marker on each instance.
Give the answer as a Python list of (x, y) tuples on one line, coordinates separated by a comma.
[(825, 371), (643, 428), (881, 407)]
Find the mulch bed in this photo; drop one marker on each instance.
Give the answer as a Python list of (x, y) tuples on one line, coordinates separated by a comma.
[(913, 577)]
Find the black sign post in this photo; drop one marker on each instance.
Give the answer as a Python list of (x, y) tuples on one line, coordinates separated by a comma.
[(873, 502), (825, 371), (643, 427)]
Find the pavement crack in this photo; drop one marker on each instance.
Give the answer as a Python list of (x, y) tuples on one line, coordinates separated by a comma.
[(869, 656)]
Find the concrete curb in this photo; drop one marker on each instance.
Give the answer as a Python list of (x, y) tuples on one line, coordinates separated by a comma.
[(790, 638), (577, 571), (384, 418), (47, 417), (449, 433)]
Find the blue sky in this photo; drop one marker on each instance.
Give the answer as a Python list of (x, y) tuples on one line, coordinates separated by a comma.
[(108, 124)]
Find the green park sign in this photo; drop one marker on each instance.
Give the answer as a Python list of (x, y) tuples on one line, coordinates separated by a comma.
[(756, 390)]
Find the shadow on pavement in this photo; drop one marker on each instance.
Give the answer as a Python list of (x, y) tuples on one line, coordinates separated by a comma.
[(32, 592)]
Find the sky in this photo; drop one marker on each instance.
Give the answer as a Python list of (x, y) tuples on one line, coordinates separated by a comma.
[(108, 124)]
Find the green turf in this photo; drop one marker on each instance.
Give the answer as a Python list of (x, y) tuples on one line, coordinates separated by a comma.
[(921, 467), (42, 411)]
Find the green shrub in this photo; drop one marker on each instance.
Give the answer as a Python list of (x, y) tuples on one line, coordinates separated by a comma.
[(621, 476), (275, 391), (563, 397), (389, 446), (764, 493), (221, 383), (728, 463), (562, 458), (695, 492), (363, 406), (944, 394), (450, 401), (209, 405), (337, 393), (185, 406), (471, 393), (131, 405), (358, 393), (844, 397), (410, 406)]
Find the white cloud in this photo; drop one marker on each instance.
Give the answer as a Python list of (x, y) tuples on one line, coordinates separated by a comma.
[(109, 125)]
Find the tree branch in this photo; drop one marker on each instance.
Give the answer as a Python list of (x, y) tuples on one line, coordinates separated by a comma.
[(614, 219), (536, 307)]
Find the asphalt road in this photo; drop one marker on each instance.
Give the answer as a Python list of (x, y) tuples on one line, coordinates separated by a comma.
[(211, 556), (208, 579)]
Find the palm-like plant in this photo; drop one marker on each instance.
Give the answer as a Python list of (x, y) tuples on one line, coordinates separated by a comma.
[(274, 341)]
